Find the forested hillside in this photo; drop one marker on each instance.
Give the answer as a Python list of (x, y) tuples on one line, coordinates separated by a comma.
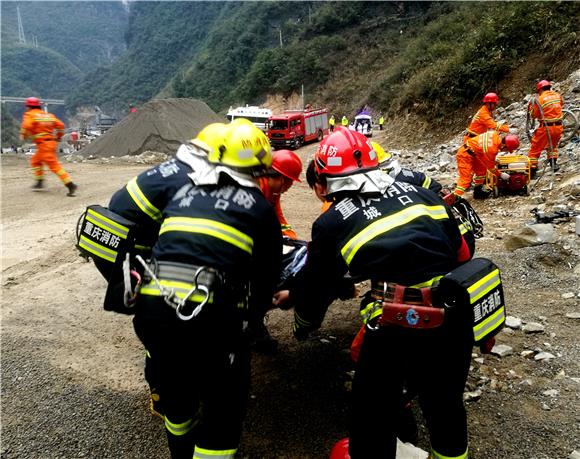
[(427, 58), (88, 34), (61, 42)]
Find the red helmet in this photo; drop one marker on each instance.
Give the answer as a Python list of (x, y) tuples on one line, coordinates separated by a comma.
[(288, 164), (511, 142), (344, 152), (33, 102), (543, 84), (340, 450), (491, 97)]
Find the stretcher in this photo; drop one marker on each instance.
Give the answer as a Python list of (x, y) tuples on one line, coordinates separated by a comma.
[(518, 168)]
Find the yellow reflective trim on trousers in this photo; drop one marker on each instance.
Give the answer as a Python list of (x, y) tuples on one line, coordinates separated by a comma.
[(107, 223), (426, 183), (489, 324), (435, 455), (212, 228), (141, 201), (97, 249), (388, 223), (463, 228), (370, 311), (202, 453), (179, 429), (482, 286), (180, 289)]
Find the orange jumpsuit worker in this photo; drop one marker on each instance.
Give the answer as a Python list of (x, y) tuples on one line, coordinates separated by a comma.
[(547, 109), (483, 120), (45, 130), (476, 156), (285, 170)]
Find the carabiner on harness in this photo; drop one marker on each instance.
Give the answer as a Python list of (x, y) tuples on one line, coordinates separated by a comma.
[(170, 297), (196, 287), (130, 293), (378, 304)]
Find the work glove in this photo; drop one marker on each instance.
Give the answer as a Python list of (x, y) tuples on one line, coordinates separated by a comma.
[(504, 176), (487, 346), (450, 199)]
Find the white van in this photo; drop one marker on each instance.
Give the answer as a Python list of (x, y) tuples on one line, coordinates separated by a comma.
[(257, 115)]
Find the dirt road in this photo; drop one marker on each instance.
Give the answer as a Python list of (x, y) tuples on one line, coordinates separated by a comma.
[(72, 383)]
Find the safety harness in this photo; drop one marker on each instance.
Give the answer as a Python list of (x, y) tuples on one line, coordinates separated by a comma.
[(407, 307), (473, 293), (187, 288)]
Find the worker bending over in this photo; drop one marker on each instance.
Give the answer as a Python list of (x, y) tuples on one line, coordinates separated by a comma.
[(216, 257), (403, 238), (476, 157)]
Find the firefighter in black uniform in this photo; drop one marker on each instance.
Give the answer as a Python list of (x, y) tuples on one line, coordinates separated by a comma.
[(216, 256), (403, 238), (403, 174)]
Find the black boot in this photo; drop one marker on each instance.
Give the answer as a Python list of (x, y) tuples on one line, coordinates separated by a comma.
[(479, 192), (533, 172), (71, 188), (553, 165), (38, 185)]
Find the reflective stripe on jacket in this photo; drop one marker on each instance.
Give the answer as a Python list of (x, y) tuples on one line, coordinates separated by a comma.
[(483, 121), (551, 103), (40, 126), (407, 236)]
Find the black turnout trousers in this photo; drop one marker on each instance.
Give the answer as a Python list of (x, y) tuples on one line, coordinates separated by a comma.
[(202, 367), (434, 364)]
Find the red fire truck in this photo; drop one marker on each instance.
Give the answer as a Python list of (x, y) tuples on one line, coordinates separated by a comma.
[(292, 128)]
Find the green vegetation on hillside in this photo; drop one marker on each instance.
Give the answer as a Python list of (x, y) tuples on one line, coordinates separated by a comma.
[(460, 55), (162, 37), (425, 58), (88, 34)]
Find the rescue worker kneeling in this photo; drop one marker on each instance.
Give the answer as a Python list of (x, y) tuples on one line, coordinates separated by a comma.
[(217, 256), (396, 234)]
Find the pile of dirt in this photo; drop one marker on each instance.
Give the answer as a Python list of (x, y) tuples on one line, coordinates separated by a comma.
[(160, 125)]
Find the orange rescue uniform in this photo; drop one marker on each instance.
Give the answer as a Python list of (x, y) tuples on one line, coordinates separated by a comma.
[(551, 123), (474, 158), (275, 202), (482, 122), (45, 130)]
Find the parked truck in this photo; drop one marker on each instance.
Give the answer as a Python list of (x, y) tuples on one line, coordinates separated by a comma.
[(293, 128)]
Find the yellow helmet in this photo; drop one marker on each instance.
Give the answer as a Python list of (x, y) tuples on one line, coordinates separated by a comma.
[(211, 138), (383, 156), (245, 146)]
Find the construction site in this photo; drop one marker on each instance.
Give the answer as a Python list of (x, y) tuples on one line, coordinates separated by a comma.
[(72, 383)]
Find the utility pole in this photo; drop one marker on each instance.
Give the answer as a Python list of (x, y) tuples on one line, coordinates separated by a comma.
[(21, 37), (281, 37), (302, 97)]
